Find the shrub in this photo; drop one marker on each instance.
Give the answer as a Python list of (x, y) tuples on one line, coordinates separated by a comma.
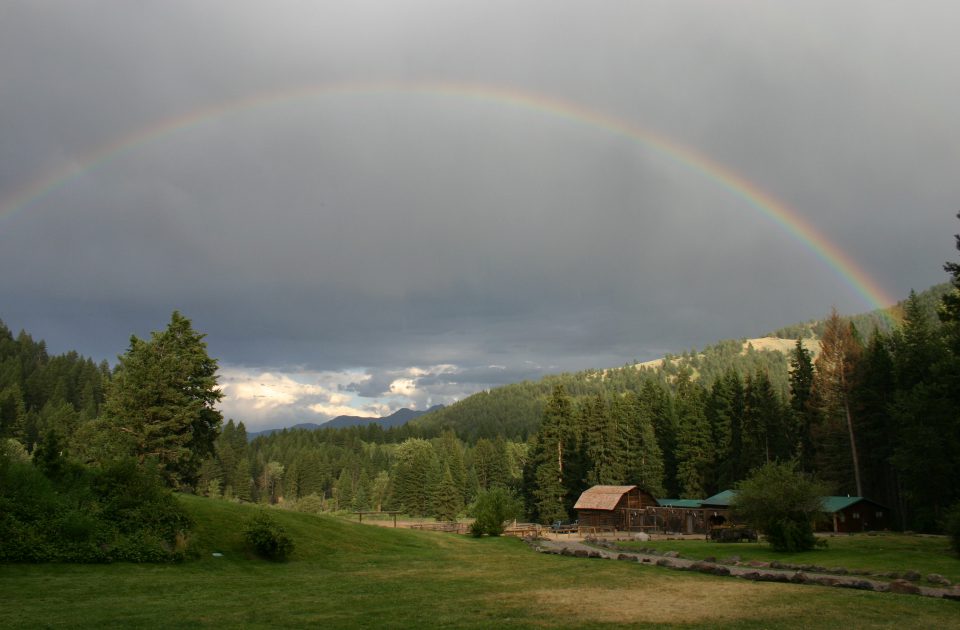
[(268, 538), (311, 504), (59, 511), (781, 503), (951, 526), (789, 535), (491, 509)]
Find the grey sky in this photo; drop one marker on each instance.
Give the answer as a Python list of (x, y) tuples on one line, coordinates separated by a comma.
[(370, 250)]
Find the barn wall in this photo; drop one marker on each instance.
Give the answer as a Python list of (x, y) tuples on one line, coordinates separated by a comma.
[(624, 516)]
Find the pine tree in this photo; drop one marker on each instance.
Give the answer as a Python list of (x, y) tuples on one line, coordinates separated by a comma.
[(414, 474), (447, 500), (13, 413), (695, 453), (643, 462), (602, 457), (872, 401), (162, 399), (724, 411), (556, 445), (801, 390), (657, 399), (925, 415)]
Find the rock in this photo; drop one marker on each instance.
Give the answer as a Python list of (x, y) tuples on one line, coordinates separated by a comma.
[(625, 556), (709, 568), (862, 585), (641, 536), (710, 559), (936, 578), (663, 562), (566, 551), (800, 578), (952, 595), (758, 564), (774, 577), (912, 576), (825, 580), (903, 586), (581, 553), (838, 571), (776, 564), (645, 560), (594, 554), (672, 554), (753, 575), (731, 560)]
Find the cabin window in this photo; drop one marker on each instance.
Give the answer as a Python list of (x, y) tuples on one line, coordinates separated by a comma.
[(856, 515), (843, 517)]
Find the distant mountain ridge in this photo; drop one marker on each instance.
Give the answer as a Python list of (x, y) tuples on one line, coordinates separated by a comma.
[(396, 419)]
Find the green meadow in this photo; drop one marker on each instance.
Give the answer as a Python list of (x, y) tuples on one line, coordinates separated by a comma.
[(346, 575)]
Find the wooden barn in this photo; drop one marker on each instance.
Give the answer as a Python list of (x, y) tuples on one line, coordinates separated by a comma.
[(613, 507), (854, 514)]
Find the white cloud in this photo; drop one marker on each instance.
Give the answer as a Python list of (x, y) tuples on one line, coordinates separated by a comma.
[(266, 390), (403, 387), (277, 398)]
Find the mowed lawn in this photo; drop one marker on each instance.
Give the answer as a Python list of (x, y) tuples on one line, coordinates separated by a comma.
[(345, 575)]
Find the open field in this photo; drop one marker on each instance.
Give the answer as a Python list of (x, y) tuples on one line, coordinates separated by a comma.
[(346, 575)]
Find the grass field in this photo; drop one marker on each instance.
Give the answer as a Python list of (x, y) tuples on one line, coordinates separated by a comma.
[(880, 553), (348, 575)]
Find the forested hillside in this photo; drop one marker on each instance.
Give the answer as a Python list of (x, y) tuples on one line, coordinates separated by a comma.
[(39, 392)]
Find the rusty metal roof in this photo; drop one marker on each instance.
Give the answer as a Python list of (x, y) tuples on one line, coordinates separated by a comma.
[(601, 497)]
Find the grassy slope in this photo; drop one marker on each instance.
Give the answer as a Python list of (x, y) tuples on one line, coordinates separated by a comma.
[(349, 575)]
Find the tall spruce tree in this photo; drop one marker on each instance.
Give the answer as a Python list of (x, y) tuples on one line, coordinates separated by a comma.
[(162, 400), (643, 459), (724, 410), (556, 446), (599, 432), (926, 418), (873, 400), (695, 449), (801, 390)]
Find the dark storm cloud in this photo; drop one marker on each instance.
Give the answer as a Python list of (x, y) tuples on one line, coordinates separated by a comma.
[(378, 231)]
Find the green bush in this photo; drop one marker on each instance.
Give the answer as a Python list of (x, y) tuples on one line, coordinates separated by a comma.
[(311, 504), (791, 536), (268, 538), (782, 503), (59, 511), (491, 509)]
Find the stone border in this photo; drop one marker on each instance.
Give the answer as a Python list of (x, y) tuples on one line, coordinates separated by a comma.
[(757, 571)]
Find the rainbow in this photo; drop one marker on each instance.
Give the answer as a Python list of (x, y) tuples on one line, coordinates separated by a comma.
[(778, 212)]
